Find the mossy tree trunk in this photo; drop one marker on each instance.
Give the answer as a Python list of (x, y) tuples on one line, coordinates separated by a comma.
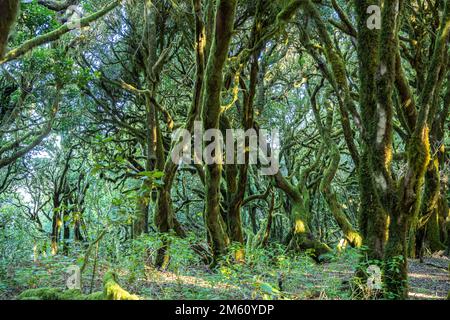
[(373, 217), (410, 186), (154, 58), (165, 219), (238, 177), (211, 109), (61, 193), (402, 205), (302, 238), (351, 235), (336, 74), (9, 11), (434, 208)]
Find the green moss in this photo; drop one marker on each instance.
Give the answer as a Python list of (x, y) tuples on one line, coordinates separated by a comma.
[(41, 294), (58, 294), (288, 11), (31, 298), (433, 234), (94, 296), (113, 291), (10, 11), (302, 238)]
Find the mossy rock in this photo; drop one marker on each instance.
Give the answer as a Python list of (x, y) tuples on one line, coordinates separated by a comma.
[(111, 291)]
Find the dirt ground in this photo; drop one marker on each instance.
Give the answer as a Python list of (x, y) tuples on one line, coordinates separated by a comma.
[(430, 279)]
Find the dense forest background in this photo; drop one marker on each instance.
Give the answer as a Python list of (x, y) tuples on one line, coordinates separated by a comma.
[(93, 207)]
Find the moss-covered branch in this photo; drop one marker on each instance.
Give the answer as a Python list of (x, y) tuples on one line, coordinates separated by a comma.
[(350, 234), (36, 140), (337, 77), (54, 35)]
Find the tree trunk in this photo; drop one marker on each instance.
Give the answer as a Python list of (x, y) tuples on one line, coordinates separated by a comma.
[(165, 219), (224, 22), (9, 10), (56, 227), (140, 223), (302, 237), (373, 217)]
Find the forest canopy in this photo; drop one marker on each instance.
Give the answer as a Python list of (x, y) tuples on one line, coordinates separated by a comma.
[(223, 149)]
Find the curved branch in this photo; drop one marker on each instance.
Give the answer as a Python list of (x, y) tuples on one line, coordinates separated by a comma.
[(54, 35)]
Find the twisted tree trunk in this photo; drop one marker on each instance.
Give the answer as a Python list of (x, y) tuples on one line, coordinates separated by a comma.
[(8, 15), (224, 22)]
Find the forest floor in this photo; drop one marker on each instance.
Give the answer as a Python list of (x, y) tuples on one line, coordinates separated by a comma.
[(427, 281), (304, 280), (430, 279)]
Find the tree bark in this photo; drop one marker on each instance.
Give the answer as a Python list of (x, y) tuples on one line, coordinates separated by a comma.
[(224, 23)]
